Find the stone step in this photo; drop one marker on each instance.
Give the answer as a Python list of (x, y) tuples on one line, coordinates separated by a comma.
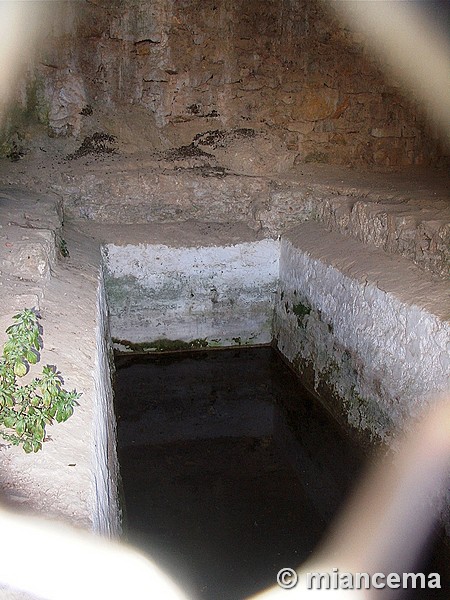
[(30, 226), (407, 214), (411, 219), (420, 234)]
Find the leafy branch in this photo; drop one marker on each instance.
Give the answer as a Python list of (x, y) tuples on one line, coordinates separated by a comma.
[(25, 410)]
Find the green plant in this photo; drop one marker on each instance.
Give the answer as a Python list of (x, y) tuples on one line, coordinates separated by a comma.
[(25, 410), (301, 311), (64, 250)]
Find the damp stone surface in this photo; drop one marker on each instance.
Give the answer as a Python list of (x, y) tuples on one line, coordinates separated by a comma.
[(169, 298)]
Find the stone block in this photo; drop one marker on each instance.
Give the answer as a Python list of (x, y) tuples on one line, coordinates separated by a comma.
[(388, 131), (315, 103), (33, 258), (161, 296)]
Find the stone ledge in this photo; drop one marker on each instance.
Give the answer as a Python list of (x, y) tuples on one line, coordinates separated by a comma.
[(412, 221), (406, 213), (188, 233), (30, 226), (421, 234), (73, 477), (394, 275), (373, 340)]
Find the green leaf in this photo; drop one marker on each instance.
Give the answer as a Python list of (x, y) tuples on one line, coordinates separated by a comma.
[(31, 357), (46, 399), (36, 445), (9, 422), (66, 412), (38, 432), (51, 412), (35, 401), (36, 339), (20, 368), (25, 410), (20, 427)]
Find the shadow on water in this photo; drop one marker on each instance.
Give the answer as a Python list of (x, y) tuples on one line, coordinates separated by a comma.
[(230, 469)]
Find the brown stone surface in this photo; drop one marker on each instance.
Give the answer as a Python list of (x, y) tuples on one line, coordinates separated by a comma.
[(30, 225), (406, 214), (188, 66)]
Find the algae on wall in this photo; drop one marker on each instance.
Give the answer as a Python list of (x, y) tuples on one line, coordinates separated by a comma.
[(20, 117), (373, 358), (183, 298)]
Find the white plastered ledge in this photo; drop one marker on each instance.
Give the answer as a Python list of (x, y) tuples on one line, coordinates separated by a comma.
[(373, 327), (74, 477)]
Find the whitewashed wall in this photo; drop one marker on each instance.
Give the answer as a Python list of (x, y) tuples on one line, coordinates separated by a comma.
[(372, 329), (106, 511), (215, 296)]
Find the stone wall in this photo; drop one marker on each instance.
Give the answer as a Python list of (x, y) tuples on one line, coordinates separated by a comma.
[(372, 342), (408, 216), (166, 298), (368, 331), (106, 510), (282, 66)]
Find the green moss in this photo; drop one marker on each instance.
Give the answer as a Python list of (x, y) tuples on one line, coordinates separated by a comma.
[(299, 363), (63, 248), (120, 289), (19, 117), (365, 413), (33, 109), (198, 343), (36, 108), (217, 343), (317, 157), (162, 345), (301, 310), (10, 149)]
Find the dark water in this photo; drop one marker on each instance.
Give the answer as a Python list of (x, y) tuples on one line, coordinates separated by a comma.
[(230, 470)]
